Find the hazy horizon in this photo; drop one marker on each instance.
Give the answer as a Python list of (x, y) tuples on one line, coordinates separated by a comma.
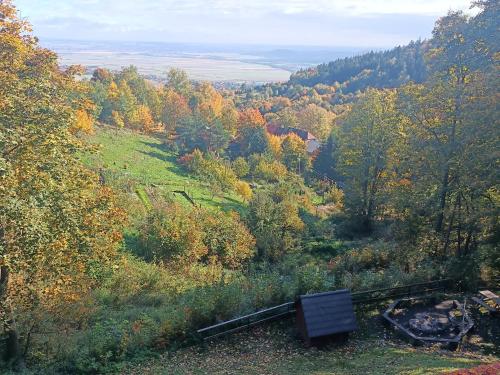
[(367, 24), (205, 61)]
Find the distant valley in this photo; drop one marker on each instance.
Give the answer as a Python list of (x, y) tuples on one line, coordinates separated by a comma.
[(215, 63)]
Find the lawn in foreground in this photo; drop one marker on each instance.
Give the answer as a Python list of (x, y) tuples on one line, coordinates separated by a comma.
[(276, 351)]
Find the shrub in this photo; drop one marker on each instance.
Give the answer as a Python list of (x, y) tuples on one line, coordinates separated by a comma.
[(275, 225), (213, 170), (270, 171), (187, 236), (244, 190), (240, 167), (335, 196)]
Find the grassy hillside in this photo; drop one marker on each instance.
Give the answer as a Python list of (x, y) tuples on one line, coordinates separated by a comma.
[(275, 351), (141, 164)]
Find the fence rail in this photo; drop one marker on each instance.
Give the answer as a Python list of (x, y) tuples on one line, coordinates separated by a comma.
[(286, 309)]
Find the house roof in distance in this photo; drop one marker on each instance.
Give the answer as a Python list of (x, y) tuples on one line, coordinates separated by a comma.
[(282, 131), (328, 313)]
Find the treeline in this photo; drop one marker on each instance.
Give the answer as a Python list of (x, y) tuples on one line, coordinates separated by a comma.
[(334, 85), (387, 69)]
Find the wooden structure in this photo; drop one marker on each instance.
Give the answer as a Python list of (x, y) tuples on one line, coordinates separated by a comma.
[(324, 315), (312, 143), (488, 300), (288, 309)]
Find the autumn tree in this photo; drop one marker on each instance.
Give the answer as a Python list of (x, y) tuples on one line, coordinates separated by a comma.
[(453, 121), (59, 229), (83, 122), (275, 225), (369, 138), (294, 153), (244, 190), (250, 118), (142, 119), (175, 110), (184, 237), (316, 120), (208, 103)]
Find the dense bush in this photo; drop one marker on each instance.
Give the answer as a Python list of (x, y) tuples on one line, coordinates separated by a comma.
[(185, 236), (262, 168), (217, 172), (275, 224)]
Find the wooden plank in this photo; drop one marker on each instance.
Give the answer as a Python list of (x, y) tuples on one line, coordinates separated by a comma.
[(488, 294), (274, 317), (484, 304), (288, 305)]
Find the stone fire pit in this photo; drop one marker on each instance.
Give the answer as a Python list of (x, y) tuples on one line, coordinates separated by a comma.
[(424, 321)]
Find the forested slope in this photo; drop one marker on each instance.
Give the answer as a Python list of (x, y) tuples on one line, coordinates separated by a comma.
[(384, 69)]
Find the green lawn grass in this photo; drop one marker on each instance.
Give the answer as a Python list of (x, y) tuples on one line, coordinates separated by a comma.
[(145, 162), (274, 351)]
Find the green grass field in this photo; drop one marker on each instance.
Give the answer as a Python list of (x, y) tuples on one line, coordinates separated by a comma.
[(276, 352), (138, 162)]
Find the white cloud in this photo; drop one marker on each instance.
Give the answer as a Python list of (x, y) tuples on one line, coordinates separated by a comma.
[(346, 22)]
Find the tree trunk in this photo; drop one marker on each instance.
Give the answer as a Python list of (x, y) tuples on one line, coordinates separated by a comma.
[(13, 354), (459, 226), (448, 232), (442, 200)]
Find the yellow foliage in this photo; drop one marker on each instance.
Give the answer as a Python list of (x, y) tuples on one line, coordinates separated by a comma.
[(113, 91), (275, 145), (117, 120), (244, 190), (59, 229), (210, 102), (142, 119), (83, 122)]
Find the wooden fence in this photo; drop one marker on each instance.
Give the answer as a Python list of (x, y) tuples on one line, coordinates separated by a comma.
[(287, 309)]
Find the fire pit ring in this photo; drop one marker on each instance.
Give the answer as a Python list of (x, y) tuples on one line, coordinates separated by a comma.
[(446, 323)]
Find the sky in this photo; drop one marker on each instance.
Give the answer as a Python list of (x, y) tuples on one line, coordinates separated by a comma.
[(334, 23)]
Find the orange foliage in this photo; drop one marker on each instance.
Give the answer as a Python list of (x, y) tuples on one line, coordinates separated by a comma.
[(175, 108), (143, 119), (251, 118), (210, 102)]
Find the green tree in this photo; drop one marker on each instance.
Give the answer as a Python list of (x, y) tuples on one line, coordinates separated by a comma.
[(369, 139), (253, 140), (275, 225), (195, 133), (294, 153), (178, 81), (241, 167)]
